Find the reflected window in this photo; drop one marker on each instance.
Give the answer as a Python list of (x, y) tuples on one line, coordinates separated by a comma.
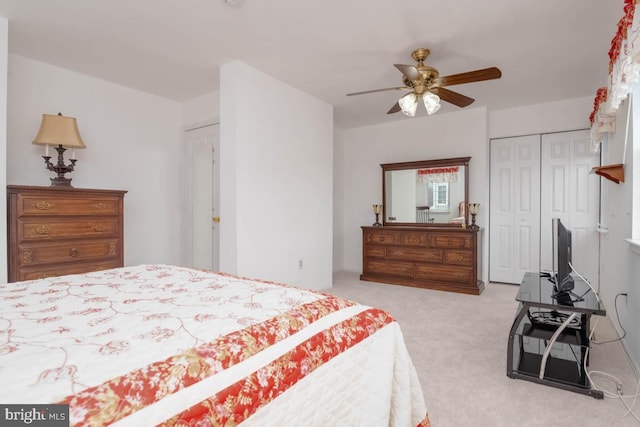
[(438, 196)]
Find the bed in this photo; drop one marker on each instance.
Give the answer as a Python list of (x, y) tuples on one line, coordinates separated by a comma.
[(172, 346)]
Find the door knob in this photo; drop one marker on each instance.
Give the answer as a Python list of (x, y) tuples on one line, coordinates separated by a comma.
[(216, 219)]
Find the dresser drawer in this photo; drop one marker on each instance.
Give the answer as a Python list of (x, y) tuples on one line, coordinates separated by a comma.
[(451, 240), (48, 205), (443, 273), (77, 268), (383, 237), (47, 253), (459, 257), (415, 239), (389, 268), (415, 254), (374, 251), (48, 229)]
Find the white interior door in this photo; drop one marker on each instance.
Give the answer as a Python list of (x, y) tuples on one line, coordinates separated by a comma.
[(514, 212), (203, 146), (572, 194)]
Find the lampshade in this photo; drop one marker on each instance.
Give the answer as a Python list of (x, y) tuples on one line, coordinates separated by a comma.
[(409, 104), (377, 209), (431, 102), (59, 130), (473, 208)]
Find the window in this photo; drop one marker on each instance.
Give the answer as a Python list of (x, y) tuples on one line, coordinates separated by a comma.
[(438, 196)]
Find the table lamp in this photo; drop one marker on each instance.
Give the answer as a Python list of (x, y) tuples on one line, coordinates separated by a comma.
[(376, 210), (62, 133)]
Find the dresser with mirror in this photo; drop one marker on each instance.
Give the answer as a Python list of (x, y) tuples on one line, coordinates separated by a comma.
[(425, 240)]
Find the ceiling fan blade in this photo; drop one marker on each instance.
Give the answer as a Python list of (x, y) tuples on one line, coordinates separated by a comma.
[(452, 97), (409, 71), (377, 90), (471, 76), (394, 109)]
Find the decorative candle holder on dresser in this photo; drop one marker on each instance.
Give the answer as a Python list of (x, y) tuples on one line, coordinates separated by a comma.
[(54, 231)]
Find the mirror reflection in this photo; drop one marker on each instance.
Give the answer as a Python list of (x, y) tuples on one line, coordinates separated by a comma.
[(426, 195)]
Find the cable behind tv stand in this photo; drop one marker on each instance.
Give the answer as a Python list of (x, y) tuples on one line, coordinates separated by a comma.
[(552, 327)]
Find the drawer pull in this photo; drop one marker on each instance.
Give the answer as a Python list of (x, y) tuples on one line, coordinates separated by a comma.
[(100, 228), (73, 252), (382, 239), (450, 242), (44, 206), (100, 206), (42, 230)]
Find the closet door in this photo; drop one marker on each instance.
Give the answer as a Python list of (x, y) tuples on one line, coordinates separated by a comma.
[(514, 212), (572, 194), (203, 144)]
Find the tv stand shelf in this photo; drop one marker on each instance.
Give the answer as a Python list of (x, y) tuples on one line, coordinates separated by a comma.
[(528, 340)]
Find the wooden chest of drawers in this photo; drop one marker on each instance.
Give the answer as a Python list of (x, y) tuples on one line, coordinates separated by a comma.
[(54, 231), (434, 258)]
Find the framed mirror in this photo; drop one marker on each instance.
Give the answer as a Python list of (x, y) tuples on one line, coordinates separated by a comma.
[(430, 193)]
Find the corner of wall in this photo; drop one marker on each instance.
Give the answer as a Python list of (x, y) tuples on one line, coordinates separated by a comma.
[(4, 55)]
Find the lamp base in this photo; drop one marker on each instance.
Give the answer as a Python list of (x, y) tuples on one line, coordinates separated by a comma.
[(473, 226), (60, 168), (60, 182)]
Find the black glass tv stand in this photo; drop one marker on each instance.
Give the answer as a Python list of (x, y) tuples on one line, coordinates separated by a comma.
[(549, 337)]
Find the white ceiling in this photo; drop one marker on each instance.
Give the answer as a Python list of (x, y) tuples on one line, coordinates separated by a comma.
[(547, 49)]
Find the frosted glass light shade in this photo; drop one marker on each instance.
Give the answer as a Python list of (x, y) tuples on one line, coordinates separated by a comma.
[(431, 102), (409, 104)]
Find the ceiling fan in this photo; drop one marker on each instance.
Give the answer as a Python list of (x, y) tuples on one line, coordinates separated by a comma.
[(425, 82)]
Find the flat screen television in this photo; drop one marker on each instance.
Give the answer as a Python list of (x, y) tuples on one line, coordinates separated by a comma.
[(561, 274)]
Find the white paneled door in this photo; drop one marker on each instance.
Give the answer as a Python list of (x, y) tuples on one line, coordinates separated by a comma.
[(514, 217), (204, 175), (572, 194), (533, 179)]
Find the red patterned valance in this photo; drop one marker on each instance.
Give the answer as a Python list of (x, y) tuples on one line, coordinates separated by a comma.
[(438, 170), (624, 72), (601, 96), (621, 34), (444, 174)]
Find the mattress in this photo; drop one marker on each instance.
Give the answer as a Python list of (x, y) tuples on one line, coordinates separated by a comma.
[(172, 346)]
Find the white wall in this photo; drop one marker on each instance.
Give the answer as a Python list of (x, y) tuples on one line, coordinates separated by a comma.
[(202, 110), (4, 55), (133, 143), (570, 114), (619, 264), (338, 197), (363, 149), (276, 150)]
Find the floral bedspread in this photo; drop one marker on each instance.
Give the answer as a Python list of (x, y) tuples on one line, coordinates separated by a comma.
[(165, 345)]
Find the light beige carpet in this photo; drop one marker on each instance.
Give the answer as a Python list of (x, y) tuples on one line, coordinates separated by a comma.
[(458, 344)]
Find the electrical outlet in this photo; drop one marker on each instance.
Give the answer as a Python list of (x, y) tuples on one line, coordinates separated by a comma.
[(300, 264)]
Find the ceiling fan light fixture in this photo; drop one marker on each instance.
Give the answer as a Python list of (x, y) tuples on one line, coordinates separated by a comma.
[(409, 104), (431, 102)]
